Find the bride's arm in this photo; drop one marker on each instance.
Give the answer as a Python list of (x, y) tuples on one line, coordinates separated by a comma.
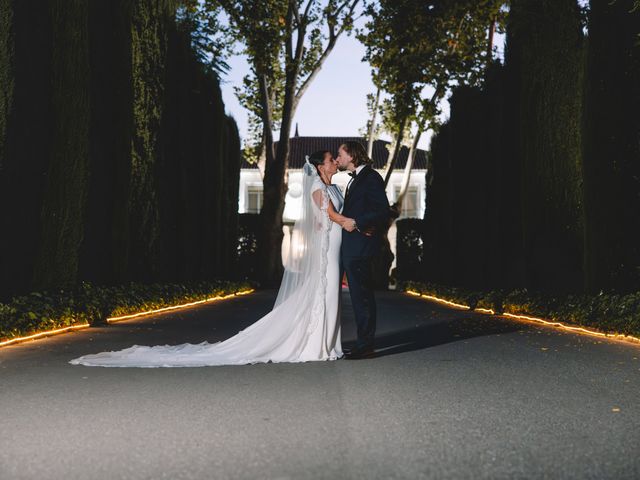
[(333, 215)]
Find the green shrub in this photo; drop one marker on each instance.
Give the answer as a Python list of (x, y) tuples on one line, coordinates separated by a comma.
[(40, 311), (606, 312)]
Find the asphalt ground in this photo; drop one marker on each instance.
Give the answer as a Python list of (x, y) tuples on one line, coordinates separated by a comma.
[(450, 395)]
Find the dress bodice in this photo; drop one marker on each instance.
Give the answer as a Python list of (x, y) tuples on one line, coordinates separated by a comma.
[(335, 195)]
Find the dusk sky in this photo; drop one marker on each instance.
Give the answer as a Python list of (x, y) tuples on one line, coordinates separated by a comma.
[(335, 104)]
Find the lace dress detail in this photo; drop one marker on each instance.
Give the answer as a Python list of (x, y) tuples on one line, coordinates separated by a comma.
[(319, 305)]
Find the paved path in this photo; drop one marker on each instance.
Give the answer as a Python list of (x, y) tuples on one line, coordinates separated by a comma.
[(453, 395)]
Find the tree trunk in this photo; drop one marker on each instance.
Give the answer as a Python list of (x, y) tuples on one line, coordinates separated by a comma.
[(372, 126), (275, 189), (396, 152), (492, 32), (408, 167), (262, 158)]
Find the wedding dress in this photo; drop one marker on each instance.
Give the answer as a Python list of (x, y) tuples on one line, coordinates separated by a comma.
[(304, 324)]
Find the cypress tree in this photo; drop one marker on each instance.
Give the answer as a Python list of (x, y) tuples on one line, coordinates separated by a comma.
[(194, 168), (6, 69), (170, 161), (217, 164), (148, 52), (64, 196), (115, 150), (230, 202), (612, 147), (104, 255), (27, 143), (465, 198), (439, 213), (546, 43)]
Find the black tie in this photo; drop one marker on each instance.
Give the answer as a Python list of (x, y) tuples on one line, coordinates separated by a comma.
[(353, 178)]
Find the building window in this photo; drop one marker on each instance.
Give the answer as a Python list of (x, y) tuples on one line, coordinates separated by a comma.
[(410, 203), (254, 199)]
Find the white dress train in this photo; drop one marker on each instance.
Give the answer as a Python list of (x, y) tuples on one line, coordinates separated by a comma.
[(304, 324)]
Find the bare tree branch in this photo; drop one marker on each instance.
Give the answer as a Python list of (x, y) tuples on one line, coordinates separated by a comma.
[(307, 9), (289, 49), (333, 37)]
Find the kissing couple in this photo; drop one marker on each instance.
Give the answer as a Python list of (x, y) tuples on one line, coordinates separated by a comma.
[(333, 236)]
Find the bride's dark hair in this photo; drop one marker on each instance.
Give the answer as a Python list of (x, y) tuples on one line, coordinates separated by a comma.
[(317, 158)]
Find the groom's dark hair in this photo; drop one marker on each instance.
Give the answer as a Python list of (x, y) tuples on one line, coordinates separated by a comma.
[(357, 151)]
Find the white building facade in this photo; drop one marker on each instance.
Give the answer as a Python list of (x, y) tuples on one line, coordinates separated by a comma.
[(250, 193)]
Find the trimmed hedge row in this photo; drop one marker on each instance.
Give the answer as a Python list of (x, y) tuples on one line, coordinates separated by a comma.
[(118, 162), (606, 312), (40, 311), (533, 180)]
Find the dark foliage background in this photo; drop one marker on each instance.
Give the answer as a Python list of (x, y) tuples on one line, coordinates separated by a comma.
[(117, 160), (534, 180)]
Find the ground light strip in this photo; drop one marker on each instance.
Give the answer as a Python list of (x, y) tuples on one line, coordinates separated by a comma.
[(175, 307), (581, 330), (43, 334), (57, 331)]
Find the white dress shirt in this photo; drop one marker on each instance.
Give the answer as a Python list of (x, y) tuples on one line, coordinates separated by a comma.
[(358, 169)]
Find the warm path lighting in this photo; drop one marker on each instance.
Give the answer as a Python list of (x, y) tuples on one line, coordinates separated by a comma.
[(123, 317), (43, 334), (571, 328), (485, 310), (442, 301), (175, 307)]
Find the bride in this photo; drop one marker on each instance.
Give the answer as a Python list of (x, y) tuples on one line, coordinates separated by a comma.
[(304, 324)]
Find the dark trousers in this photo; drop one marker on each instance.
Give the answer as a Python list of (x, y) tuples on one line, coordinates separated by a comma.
[(360, 277)]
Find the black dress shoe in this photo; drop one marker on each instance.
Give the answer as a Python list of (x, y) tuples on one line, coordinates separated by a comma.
[(360, 353)]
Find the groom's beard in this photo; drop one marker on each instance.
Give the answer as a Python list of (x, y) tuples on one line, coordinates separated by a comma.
[(341, 168)]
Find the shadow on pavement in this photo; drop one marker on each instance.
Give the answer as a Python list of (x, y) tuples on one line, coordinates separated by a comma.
[(432, 335)]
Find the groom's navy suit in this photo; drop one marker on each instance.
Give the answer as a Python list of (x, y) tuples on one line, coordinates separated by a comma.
[(366, 202)]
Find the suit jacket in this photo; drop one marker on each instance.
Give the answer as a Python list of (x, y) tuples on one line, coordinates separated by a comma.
[(366, 202)]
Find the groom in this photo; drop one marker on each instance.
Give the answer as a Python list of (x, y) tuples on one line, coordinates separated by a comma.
[(366, 203)]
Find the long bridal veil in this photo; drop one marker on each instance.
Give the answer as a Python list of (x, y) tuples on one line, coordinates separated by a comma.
[(309, 240), (297, 329)]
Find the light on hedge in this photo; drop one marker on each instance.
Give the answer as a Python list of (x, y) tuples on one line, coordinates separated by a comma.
[(57, 331), (43, 334), (175, 307), (571, 328)]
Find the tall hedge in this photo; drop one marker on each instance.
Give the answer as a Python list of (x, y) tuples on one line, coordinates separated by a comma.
[(27, 141), (117, 160), (546, 46), (505, 189), (6, 68), (105, 249), (471, 230), (200, 149), (231, 189), (557, 134), (612, 147), (438, 236), (148, 56), (61, 225)]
